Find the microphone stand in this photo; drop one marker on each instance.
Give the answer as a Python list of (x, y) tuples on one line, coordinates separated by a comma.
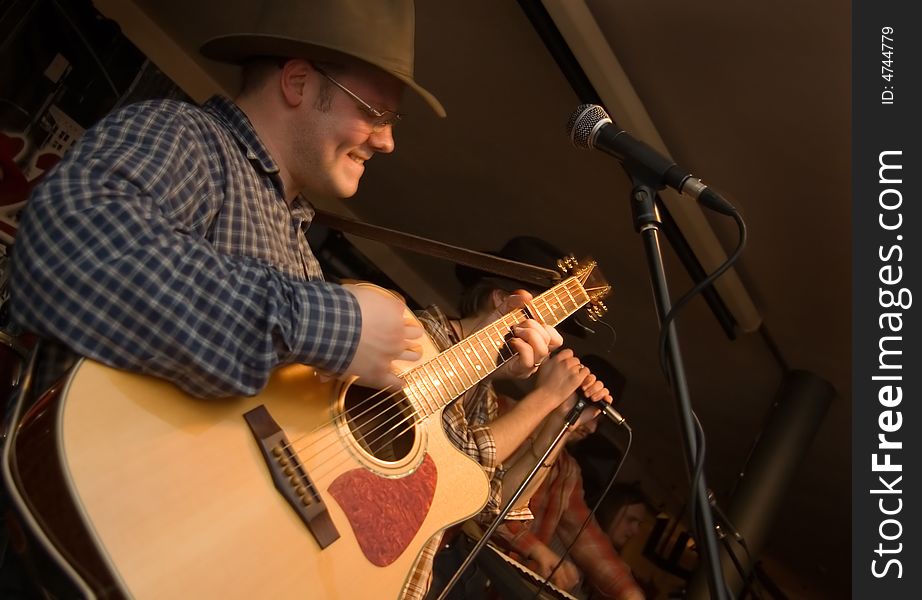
[(570, 420), (647, 223)]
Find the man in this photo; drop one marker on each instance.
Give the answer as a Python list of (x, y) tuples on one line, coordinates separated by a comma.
[(560, 511), (170, 239), (475, 423), (485, 298), (626, 508)]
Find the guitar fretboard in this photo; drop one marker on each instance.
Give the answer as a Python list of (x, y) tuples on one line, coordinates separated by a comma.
[(431, 386)]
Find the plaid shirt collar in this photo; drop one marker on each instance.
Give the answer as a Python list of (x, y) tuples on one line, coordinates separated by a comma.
[(242, 129)]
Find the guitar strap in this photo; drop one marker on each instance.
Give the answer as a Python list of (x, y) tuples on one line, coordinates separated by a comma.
[(470, 258)]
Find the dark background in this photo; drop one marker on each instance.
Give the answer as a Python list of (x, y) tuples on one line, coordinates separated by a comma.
[(754, 98)]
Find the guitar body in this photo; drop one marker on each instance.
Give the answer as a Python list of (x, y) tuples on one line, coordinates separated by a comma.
[(150, 493), (313, 489)]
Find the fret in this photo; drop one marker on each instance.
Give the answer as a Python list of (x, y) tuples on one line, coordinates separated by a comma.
[(495, 338), (487, 367), (444, 393), (581, 292), (450, 375), (499, 337), (460, 368), (529, 312), (418, 394), (561, 311), (500, 341), (467, 355), (550, 306), (582, 298), (431, 400), (563, 293), (430, 390), (543, 318), (572, 299), (482, 368)]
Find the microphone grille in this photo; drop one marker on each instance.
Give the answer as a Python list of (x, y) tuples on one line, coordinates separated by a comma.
[(582, 123)]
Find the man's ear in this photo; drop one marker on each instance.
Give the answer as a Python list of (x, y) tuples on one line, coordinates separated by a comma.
[(293, 81), (497, 297)]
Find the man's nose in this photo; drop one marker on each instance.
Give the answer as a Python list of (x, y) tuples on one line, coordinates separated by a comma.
[(383, 141)]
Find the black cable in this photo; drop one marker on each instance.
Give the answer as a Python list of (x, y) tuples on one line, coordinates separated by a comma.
[(592, 511), (664, 336), (736, 563), (696, 474), (697, 468), (673, 312)]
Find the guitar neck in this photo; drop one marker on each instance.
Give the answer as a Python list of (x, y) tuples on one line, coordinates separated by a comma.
[(434, 384)]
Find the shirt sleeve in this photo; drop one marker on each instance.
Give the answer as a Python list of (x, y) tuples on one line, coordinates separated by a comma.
[(111, 260)]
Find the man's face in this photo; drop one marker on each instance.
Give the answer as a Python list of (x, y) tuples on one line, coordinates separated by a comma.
[(334, 139), (626, 524)]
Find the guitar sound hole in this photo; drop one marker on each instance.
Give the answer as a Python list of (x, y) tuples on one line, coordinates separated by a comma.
[(381, 422)]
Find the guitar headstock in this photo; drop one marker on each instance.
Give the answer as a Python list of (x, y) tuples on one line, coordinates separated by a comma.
[(592, 280)]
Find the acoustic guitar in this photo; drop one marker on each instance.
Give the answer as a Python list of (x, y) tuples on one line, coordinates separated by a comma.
[(313, 488)]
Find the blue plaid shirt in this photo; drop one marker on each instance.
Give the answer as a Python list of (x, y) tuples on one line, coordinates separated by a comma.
[(162, 243)]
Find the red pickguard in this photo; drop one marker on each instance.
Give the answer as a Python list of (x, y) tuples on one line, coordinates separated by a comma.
[(385, 513)]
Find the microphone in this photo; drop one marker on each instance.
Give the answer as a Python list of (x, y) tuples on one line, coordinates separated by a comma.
[(724, 520), (609, 411), (591, 127)]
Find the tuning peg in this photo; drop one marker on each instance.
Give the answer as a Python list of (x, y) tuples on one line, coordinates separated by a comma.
[(567, 263), (596, 311)]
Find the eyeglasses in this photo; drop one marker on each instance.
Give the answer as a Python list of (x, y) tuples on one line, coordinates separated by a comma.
[(379, 118)]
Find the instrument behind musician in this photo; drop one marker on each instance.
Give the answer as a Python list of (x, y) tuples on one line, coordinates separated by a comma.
[(509, 578), (515, 581)]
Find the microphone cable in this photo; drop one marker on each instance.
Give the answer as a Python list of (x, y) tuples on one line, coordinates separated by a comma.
[(592, 511), (673, 312), (698, 465)]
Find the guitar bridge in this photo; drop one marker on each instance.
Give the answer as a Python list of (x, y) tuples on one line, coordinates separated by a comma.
[(289, 476)]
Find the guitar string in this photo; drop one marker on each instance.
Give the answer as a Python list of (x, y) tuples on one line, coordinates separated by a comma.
[(512, 354), (517, 315), (351, 412), (422, 384), (397, 422), (350, 416), (329, 464), (440, 400), (460, 387)]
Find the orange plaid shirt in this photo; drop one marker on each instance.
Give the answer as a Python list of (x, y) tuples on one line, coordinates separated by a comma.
[(560, 510)]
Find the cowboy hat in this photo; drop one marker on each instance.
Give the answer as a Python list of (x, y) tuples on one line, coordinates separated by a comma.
[(378, 32)]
